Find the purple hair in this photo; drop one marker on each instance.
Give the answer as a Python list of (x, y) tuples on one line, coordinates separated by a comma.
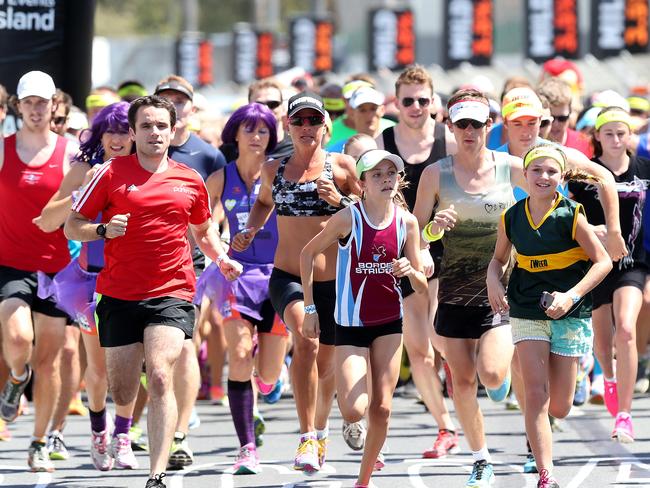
[(250, 115), (112, 118)]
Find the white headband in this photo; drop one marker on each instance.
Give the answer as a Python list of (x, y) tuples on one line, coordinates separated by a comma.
[(469, 109)]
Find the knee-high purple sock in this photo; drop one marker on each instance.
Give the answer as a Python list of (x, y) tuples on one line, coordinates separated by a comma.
[(240, 398), (122, 425)]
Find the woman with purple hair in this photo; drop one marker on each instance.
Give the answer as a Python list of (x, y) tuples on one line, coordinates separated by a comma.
[(244, 303), (74, 288)]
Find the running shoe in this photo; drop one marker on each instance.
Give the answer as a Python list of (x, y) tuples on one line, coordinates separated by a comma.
[(369, 485), (10, 397), (77, 407), (100, 451), (449, 386), (247, 461), (582, 390), (511, 402), (5, 434), (137, 440), (499, 394), (120, 450), (322, 450), (156, 481), (446, 443), (623, 431), (381, 457), (180, 454), (275, 394), (611, 397), (56, 447), (546, 480), (262, 387), (597, 396), (530, 466), (307, 456), (642, 384), (38, 458), (354, 434), (482, 475), (195, 420), (218, 396), (260, 428)]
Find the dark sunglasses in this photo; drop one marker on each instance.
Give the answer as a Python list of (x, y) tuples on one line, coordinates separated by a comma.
[(423, 102), (312, 120), (465, 123), (545, 123), (59, 120), (561, 118), (272, 104)]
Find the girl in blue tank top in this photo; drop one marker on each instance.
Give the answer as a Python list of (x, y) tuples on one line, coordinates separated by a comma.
[(244, 303), (547, 294)]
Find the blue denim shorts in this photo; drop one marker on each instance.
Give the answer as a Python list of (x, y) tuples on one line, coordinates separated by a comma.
[(570, 337)]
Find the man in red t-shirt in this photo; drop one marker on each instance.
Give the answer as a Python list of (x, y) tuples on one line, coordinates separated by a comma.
[(147, 202), (32, 165)]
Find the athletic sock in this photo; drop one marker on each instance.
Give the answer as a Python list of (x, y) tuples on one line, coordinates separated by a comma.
[(240, 399), (122, 425), (323, 434), (19, 379), (482, 454), (98, 420)]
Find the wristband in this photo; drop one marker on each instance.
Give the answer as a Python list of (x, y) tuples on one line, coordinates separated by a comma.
[(428, 236), (310, 309), (345, 202), (220, 260)]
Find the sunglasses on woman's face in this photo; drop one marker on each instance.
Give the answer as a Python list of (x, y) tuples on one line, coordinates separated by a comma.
[(423, 102), (561, 118), (272, 104), (59, 120), (465, 123), (312, 120)]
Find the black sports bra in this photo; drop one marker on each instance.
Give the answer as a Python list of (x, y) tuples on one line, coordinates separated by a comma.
[(294, 199)]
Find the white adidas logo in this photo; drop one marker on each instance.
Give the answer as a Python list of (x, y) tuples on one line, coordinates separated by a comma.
[(133, 188)]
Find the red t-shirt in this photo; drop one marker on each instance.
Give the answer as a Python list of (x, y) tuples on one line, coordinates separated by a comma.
[(578, 140), (24, 191), (153, 258)]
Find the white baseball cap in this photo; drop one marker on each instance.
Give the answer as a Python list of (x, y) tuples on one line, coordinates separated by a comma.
[(373, 157), (37, 84), (366, 95)]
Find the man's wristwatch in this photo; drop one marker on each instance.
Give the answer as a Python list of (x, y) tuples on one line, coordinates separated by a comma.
[(345, 202), (101, 230)]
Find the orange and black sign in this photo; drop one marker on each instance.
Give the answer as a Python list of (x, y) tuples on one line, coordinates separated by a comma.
[(469, 32), (205, 63), (312, 44), (636, 26), (252, 54), (552, 29), (391, 38)]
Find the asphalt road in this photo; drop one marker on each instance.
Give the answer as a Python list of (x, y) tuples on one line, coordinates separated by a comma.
[(583, 453)]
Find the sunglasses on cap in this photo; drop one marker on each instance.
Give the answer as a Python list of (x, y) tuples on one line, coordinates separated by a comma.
[(561, 118), (272, 104), (59, 120), (465, 123), (422, 102), (312, 120)]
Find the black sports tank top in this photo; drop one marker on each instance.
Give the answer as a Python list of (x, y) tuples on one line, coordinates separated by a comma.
[(413, 172), (294, 199)]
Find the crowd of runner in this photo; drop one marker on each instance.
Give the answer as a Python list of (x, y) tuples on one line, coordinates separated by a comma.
[(149, 249)]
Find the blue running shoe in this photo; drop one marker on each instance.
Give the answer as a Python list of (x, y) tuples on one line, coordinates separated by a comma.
[(482, 475), (275, 394), (582, 390), (530, 466), (500, 393)]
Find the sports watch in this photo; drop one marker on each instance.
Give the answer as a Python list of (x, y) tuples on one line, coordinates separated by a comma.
[(101, 230)]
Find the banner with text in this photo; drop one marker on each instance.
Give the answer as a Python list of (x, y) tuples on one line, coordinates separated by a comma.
[(469, 32), (311, 44), (552, 29), (391, 39)]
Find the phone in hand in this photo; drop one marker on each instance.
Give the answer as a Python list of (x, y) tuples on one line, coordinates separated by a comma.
[(546, 300)]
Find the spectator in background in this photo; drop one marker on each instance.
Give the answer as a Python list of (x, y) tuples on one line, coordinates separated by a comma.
[(343, 127), (269, 92), (559, 95), (63, 102), (129, 90)]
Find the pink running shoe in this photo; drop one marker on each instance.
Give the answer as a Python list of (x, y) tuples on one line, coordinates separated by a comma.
[(121, 451), (99, 451), (446, 443), (263, 388), (546, 480), (247, 461), (611, 398), (623, 431), (369, 485)]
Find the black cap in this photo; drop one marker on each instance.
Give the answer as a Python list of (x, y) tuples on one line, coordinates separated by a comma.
[(305, 100), (175, 86)]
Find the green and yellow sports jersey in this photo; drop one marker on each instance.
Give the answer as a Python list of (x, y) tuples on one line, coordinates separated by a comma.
[(548, 257)]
